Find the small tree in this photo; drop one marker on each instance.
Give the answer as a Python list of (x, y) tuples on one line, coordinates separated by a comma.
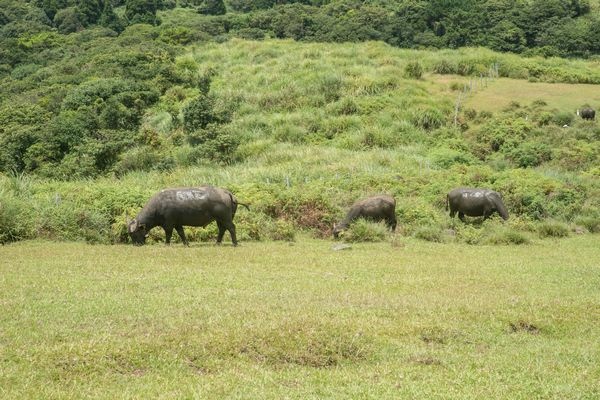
[(198, 113)]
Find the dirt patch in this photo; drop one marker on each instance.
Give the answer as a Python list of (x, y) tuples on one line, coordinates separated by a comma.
[(524, 326), (317, 346), (424, 359)]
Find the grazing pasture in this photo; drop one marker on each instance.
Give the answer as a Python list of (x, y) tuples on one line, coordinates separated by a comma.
[(401, 318), (562, 96)]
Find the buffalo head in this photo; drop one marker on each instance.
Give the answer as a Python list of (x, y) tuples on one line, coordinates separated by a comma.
[(137, 232), (338, 230)]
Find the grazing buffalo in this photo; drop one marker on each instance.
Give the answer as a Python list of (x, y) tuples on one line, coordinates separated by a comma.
[(191, 206), (475, 203), (377, 208), (588, 113)]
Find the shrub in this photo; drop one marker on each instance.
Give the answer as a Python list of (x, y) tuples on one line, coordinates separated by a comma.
[(469, 234), (530, 154), (250, 33), (413, 70), (563, 118), (470, 113), (444, 66), (506, 236), (331, 87), (444, 157), (142, 158), (592, 224), (215, 143), (428, 119), (553, 229), (345, 106), (429, 233), (199, 113), (366, 231), (15, 221), (283, 230)]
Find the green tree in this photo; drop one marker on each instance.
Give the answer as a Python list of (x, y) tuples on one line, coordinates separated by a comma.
[(198, 113), (142, 11), (212, 7), (90, 10), (109, 19), (506, 36), (69, 20)]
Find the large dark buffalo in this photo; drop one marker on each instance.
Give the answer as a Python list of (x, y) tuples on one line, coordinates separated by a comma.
[(191, 206), (587, 113), (377, 208), (475, 203)]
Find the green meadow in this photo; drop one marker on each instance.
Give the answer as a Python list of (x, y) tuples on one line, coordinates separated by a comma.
[(403, 318)]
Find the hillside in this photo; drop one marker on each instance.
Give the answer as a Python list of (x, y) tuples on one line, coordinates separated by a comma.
[(301, 130)]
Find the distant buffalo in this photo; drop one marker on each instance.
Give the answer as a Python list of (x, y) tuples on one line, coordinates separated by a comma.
[(377, 208), (190, 206), (475, 203), (588, 113)]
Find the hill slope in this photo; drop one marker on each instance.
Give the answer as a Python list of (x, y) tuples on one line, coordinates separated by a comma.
[(300, 131)]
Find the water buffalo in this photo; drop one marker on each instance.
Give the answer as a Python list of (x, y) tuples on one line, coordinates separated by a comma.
[(587, 113), (190, 206), (377, 208), (475, 203)]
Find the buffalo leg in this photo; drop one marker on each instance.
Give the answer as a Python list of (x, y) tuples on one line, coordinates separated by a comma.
[(181, 234), (461, 216), (222, 229), (452, 213), (168, 234), (231, 228), (392, 225)]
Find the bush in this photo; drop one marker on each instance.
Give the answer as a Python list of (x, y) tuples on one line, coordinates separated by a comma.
[(530, 154), (143, 158), (429, 233), (283, 230), (413, 70), (563, 118), (445, 67), (366, 231), (469, 234), (592, 224), (15, 219), (506, 236), (428, 119), (215, 143), (444, 157), (553, 229)]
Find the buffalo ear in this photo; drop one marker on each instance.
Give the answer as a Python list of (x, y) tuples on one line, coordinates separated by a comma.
[(132, 225)]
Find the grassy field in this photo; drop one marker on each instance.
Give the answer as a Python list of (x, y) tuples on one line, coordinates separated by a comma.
[(397, 319), (501, 92)]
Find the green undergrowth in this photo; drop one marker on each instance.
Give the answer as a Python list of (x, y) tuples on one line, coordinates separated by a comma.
[(293, 189)]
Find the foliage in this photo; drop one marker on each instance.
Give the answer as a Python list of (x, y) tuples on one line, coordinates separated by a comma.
[(365, 231), (413, 69), (553, 229), (212, 7)]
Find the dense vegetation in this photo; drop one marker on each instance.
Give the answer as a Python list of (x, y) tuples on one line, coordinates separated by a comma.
[(544, 27), (93, 121)]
